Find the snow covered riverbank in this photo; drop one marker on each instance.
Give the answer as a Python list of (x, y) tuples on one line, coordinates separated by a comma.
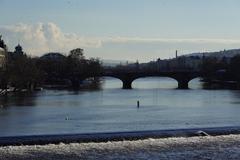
[(208, 147)]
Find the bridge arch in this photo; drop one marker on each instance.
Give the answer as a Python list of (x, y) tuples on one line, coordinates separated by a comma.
[(182, 81), (110, 81), (196, 83), (125, 78), (155, 82)]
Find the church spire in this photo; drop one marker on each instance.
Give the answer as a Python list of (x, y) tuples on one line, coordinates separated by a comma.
[(18, 50)]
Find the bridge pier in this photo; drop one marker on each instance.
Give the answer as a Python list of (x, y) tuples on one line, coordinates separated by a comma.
[(183, 84), (127, 84)]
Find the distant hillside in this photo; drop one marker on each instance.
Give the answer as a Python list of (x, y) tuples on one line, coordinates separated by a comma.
[(225, 53), (219, 54)]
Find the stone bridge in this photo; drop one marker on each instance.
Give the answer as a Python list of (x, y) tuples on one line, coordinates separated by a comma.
[(127, 77)]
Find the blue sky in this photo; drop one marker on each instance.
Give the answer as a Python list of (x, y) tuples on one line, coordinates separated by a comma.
[(122, 29)]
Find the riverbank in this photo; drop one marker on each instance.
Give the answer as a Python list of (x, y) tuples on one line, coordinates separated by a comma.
[(208, 147), (115, 136)]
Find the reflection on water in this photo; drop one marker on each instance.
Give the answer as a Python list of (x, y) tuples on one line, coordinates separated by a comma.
[(20, 99), (162, 106)]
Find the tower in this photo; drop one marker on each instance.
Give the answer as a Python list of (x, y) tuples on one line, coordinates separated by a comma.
[(18, 50), (176, 54)]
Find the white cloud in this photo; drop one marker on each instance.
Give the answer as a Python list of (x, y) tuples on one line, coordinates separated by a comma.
[(40, 38), (171, 40)]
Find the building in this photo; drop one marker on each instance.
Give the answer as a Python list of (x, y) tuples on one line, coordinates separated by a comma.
[(53, 56), (2, 57), (18, 51), (3, 49)]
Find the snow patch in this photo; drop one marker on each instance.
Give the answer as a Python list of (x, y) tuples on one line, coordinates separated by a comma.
[(207, 147)]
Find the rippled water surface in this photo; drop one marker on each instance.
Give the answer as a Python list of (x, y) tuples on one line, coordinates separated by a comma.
[(114, 109)]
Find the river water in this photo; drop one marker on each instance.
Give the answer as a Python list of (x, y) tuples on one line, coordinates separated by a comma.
[(112, 109)]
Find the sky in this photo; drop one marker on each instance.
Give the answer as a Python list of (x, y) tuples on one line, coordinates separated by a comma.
[(142, 30)]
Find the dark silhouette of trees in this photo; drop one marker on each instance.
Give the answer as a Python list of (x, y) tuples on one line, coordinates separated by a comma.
[(77, 54), (80, 68), (54, 70), (3, 75), (234, 67), (23, 73), (69, 70), (221, 70)]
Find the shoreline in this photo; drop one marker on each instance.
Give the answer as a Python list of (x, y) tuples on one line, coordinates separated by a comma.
[(114, 136), (175, 148)]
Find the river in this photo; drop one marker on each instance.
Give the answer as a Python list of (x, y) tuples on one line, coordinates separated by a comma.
[(112, 109)]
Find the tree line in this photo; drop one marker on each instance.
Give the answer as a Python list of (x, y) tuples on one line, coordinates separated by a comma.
[(21, 71), (221, 70)]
